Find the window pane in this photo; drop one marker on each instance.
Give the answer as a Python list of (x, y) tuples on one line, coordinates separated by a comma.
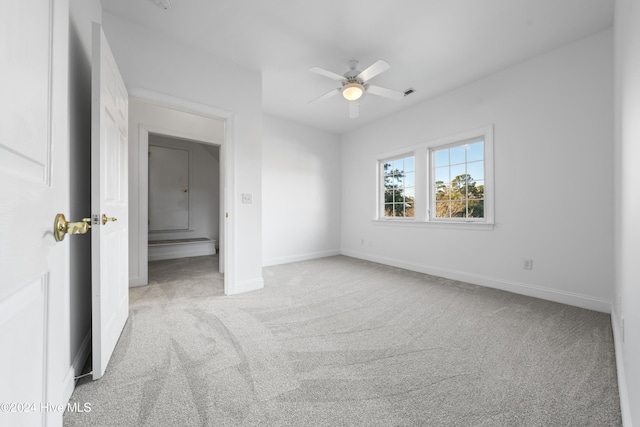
[(442, 174), (442, 210), (476, 209), (388, 168), (458, 154), (388, 196), (476, 170), (398, 209), (398, 165), (409, 164), (458, 191), (475, 151), (409, 194), (442, 192), (409, 179), (457, 170), (477, 190), (409, 210), (388, 209), (398, 195), (442, 157), (390, 181), (459, 209)]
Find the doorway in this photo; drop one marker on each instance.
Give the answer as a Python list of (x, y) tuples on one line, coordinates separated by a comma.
[(184, 200), (156, 124)]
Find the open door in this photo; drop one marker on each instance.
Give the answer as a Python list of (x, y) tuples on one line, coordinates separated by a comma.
[(109, 203), (34, 172)]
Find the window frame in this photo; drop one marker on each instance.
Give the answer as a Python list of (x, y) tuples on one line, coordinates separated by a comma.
[(381, 187), (432, 176), (424, 179)]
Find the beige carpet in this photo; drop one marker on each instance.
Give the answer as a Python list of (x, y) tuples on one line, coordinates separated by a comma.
[(344, 342)]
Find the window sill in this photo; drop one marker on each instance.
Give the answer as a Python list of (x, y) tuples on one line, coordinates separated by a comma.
[(435, 224)]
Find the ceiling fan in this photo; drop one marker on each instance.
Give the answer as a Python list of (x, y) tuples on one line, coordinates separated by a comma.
[(354, 84)]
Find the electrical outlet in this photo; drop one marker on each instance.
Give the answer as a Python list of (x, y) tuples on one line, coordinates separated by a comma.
[(247, 198), (527, 264)]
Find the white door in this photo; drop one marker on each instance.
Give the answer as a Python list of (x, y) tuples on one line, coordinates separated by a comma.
[(34, 187), (109, 205), (168, 189)]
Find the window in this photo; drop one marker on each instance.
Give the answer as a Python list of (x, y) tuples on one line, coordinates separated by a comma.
[(439, 183), (458, 181), (399, 187)]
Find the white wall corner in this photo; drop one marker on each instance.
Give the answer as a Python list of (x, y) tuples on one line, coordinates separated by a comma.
[(625, 408)]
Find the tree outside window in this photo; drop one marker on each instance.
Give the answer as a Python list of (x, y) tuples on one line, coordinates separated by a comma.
[(459, 181), (399, 187)]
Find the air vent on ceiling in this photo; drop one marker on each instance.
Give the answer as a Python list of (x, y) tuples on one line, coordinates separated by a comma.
[(164, 4), (409, 91)]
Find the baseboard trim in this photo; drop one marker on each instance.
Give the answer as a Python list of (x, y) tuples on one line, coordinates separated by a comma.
[(138, 281), (159, 253), (246, 286), (625, 408), (570, 298), (303, 257), (75, 369)]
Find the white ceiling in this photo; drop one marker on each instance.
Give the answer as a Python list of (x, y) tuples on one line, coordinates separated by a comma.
[(433, 46)]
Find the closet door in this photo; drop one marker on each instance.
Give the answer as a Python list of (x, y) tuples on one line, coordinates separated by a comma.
[(168, 189)]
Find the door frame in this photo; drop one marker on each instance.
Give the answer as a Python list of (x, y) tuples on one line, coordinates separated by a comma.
[(227, 177)]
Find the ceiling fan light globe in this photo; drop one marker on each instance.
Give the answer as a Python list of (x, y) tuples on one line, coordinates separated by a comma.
[(352, 91)]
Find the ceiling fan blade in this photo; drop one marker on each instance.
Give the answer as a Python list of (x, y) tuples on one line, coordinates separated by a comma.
[(326, 95), (384, 92), (378, 67), (354, 109), (327, 73)]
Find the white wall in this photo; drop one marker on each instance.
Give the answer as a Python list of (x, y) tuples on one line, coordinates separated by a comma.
[(145, 118), (301, 189), (153, 62), (82, 14), (553, 179), (627, 233), (204, 185)]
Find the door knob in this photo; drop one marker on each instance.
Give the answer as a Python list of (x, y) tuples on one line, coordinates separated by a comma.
[(106, 218), (61, 227)]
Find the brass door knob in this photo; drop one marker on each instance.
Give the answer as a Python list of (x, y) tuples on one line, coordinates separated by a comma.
[(106, 218), (62, 227)]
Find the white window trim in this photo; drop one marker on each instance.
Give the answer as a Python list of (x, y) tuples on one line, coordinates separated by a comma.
[(381, 188), (424, 177)]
